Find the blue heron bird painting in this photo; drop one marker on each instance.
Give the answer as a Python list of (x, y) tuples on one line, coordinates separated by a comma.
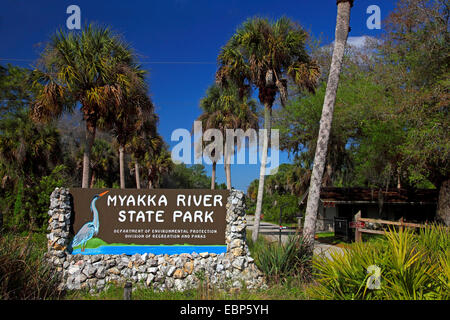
[(89, 229)]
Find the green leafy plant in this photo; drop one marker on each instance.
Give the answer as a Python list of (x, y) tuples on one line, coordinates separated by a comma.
[(412, 266), (279, 261)]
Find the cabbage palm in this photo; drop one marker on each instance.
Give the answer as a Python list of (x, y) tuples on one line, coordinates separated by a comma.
[(264, 54), (143, 141), (92, 68), (225, 108), (297, 179), (209, 121), (128, 119), (103, 162), (342, 29), (156, 164)]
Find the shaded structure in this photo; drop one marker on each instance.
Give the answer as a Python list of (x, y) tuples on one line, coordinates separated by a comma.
[(392, 204)]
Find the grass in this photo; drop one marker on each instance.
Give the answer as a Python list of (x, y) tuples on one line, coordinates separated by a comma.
[(290, 289), (24, 274), (321, 235), (329, 238)]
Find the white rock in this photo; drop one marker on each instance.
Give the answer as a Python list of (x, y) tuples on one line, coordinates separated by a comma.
[(149, 280), (152, 269), (171, 270), (73, 269)]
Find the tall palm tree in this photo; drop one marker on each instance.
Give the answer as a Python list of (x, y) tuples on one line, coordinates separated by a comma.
[(209, 120), (156, 165), (262, 54), (225, 108), (342, 29), (128, 119), (92, 68), (297, 179), (143, 141), (103, 162)]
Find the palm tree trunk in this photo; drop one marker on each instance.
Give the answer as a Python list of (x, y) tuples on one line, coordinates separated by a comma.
[(122, 167), (213, 176), (226, 166), (262, 170), (342, 29), (90, 137), (136, 172), (443, 208), (328, 176), (150, 183), (92, 180), (228, 170)]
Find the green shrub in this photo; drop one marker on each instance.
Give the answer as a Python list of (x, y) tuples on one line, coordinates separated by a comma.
[(24, 274), (277, 261), (435, 239), (29, 211), (271, 207), (38, 200), (412, 266)]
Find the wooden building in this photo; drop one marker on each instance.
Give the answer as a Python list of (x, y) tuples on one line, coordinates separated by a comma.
[(414, 206)]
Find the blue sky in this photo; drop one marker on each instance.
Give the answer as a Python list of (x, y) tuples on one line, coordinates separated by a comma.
[(177, 41)]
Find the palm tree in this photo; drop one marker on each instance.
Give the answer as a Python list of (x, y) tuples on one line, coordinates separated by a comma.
[(209, 121), (342, 29), (103, 162), (252, 190), (297, 179), (27, 149), (262, 54), (143, 141), (157, 165), (225, 108), (128, 119), (93, 68)]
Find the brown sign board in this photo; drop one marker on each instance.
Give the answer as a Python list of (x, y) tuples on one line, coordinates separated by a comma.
[(151, 216)]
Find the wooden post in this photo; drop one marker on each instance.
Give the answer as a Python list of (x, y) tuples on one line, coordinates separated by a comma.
[(401, 224), (127, 291), (358, 234), (279, 226)]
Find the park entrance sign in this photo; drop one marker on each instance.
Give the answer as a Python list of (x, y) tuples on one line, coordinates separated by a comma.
[(160, 221), (161, 239)]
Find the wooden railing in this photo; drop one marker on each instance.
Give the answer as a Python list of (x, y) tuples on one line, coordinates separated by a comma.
[(400, 223)]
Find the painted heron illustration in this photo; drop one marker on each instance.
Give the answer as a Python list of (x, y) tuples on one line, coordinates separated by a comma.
[(89, 229)]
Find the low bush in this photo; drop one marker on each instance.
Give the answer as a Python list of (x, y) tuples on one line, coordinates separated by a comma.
[(406, 266), (26, 206), (24, 274), (281, 261)]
